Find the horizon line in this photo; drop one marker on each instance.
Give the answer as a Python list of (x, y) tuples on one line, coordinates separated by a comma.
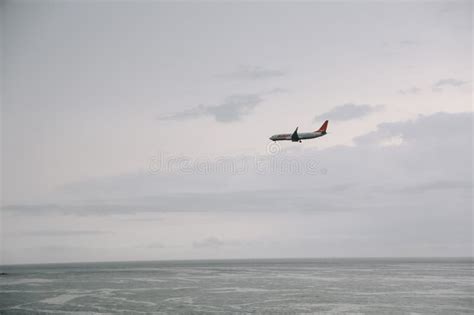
[(244, 259)]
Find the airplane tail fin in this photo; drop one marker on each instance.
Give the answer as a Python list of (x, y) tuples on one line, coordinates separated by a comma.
[(324, 127)]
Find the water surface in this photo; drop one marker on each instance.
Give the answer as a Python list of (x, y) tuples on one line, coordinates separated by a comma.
[(327, 286)]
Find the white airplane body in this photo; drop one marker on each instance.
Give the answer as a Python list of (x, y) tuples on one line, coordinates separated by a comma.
[(297, 137)]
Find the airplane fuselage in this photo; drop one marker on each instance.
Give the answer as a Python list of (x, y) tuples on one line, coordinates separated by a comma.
[(301, 136)]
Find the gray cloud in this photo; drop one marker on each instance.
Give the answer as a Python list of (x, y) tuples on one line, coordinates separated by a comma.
[(232, 109), (438, 86), (422, 130), (208, 242), (96, 208), (410, 91), (409, 42), (215, 242), (277, 91), (253, 73), (235, 201), (65, 233), (349, 111), (155, 245), (438, 185)]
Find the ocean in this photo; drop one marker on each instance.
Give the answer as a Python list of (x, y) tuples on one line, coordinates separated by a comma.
[(270, 286)]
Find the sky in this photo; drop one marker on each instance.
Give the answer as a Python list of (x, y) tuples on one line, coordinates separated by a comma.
[(139, 130)]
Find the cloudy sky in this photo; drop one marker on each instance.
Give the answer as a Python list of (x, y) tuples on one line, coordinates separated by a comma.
[(140, 130)]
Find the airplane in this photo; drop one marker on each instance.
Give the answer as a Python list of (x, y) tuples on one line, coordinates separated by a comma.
[(297, 137)]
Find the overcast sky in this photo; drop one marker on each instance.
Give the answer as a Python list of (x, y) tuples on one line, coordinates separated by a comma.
[(140, 130)]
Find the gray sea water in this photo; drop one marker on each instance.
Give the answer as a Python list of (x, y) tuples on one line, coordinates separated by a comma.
[(326, 286)]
